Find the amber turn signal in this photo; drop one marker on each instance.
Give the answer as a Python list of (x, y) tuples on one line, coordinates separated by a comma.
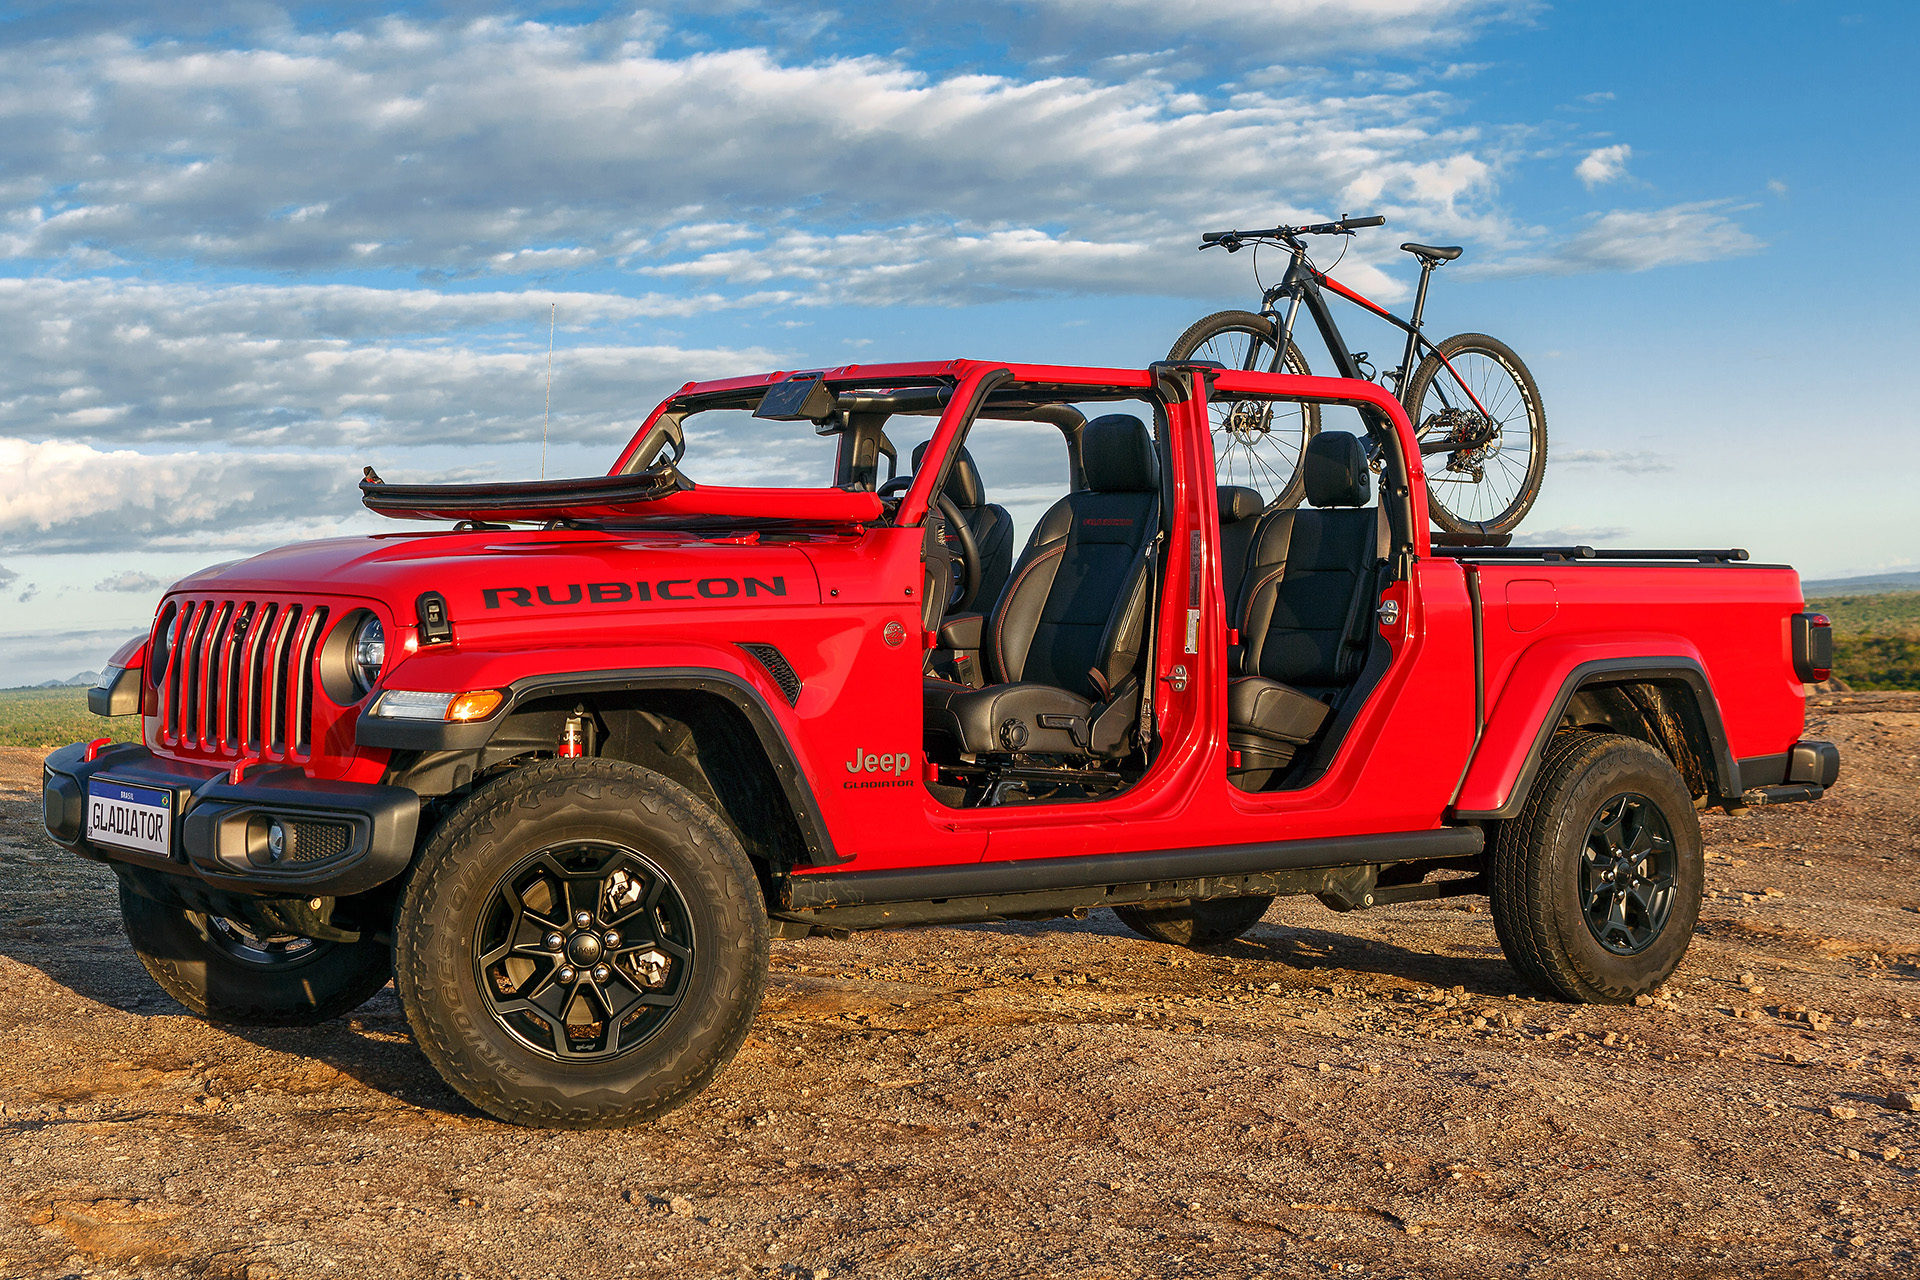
[(477, 705)]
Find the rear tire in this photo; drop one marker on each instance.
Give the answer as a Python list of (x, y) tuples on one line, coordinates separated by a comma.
[(582, 945), (1195, 924), (1596, 885), (227, 971), (1500, 500)]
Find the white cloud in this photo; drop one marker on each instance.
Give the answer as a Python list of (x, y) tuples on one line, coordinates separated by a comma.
[(1276, 30), (503, 147), (70, 497), (1628, 240), (1603, 165), (1638, 462), (7, 576), (1571, 536), (32, 657), (332, 365), (131, 580)]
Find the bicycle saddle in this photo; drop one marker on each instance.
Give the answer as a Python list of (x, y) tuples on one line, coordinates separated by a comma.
[(1438, 252)]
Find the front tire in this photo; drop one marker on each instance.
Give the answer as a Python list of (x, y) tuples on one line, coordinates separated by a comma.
[(582, 945), (228, 971), (1596, 885), (1195, 924)]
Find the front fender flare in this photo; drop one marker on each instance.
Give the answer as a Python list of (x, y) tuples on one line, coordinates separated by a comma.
[(732, 686)]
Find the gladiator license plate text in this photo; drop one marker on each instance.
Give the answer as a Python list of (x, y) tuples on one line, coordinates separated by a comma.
[(130, 817)]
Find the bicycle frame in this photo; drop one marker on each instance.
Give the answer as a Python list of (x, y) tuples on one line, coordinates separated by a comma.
[(1302, 284)]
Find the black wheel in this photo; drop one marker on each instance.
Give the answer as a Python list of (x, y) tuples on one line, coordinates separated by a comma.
[(1596, 885), (583, 944), (1256, 443), (1194, 924), (1483, 471), (230, 971)]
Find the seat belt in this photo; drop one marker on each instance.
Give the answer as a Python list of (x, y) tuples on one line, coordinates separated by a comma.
[(1365, 601)]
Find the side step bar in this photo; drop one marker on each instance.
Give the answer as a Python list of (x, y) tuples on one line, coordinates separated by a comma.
[(1341, 871)]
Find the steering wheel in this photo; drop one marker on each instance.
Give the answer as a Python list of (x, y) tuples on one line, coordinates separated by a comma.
[(969, 585)]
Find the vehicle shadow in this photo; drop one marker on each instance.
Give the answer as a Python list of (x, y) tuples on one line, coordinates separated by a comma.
[(371, 1046), (1311, 950)]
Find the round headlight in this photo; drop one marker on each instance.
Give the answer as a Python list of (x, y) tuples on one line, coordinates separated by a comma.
[(160, 652), (369, 651)]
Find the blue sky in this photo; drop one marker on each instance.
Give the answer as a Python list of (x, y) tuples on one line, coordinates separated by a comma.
[(247, 250)]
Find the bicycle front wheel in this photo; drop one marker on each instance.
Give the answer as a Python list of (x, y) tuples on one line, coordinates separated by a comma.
[(1256, 443), (1482, 433)]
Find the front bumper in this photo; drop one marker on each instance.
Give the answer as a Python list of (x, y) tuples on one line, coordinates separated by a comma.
[(343, 838)]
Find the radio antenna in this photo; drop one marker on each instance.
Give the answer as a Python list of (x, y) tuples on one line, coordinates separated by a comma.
[(553, 316)]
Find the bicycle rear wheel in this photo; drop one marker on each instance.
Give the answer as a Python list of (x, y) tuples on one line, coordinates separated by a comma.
[(1483, 471), (1256, 443)]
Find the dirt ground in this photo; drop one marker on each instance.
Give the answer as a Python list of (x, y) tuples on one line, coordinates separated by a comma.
[(1360, 1095)]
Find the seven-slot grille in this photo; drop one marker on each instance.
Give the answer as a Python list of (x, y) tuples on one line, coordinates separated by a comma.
[(240, 678)]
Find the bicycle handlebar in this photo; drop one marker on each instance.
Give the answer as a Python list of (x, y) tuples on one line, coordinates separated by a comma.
[(1234, 239)]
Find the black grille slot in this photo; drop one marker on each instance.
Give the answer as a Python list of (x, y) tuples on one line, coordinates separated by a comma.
[(318, 841), (777, 666)]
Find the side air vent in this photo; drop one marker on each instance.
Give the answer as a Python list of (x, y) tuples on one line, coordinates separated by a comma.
[(777, 666)]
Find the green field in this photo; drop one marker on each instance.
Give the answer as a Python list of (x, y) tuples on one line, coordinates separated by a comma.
[(55, 717), (1876, 639)]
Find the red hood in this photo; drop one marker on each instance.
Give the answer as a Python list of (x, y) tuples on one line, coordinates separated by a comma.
[(483, 572)]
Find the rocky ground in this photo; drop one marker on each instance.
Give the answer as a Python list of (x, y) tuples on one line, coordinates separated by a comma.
[(1371, 1094)]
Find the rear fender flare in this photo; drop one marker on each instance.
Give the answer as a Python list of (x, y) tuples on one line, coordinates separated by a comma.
[(1508, 759)]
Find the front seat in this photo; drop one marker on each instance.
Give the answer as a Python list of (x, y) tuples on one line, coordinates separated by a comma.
[(1305, 615), (991, 526), (1063, 643)]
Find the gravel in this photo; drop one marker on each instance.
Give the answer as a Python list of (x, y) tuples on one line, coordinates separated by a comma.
[(955, 1102)]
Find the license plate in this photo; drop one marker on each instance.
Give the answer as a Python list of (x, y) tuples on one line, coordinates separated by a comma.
[(130, 817)]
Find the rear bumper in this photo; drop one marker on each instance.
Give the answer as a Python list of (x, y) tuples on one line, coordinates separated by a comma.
[(1803, 772), (343, 838)]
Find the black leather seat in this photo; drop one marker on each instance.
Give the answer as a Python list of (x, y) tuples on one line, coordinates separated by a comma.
[(1063, 643), (1304, 609), (1436, 252), (991, 526), (1240, 512)]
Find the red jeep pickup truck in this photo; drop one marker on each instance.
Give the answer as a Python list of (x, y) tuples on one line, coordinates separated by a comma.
[(564, 765)]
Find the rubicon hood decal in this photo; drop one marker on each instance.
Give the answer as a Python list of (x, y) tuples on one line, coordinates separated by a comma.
[(547, 595)]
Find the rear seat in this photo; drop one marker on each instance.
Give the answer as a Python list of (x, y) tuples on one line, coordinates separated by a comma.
[(1303, 609), (1240, 512)]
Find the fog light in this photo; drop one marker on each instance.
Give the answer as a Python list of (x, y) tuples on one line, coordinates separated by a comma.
[(276, 841)]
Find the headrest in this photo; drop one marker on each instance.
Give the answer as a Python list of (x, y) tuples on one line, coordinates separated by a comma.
[(963, 478), (1238, 503), (1335, 463), (1116, 451)]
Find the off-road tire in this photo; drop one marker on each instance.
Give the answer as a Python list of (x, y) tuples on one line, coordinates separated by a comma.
[(1195, 924), (495, 830), (198, 967), (1534, 869)]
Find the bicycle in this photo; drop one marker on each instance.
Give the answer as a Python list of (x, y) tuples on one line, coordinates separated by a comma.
[(1470, 399)]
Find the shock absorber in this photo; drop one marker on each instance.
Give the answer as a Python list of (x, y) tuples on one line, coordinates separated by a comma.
[(573, 738)]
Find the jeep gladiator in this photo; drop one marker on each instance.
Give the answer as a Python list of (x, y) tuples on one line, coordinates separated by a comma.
[(562, 763)]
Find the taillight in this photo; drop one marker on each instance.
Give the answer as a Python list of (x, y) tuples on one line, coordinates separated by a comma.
[(1812, 647)]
